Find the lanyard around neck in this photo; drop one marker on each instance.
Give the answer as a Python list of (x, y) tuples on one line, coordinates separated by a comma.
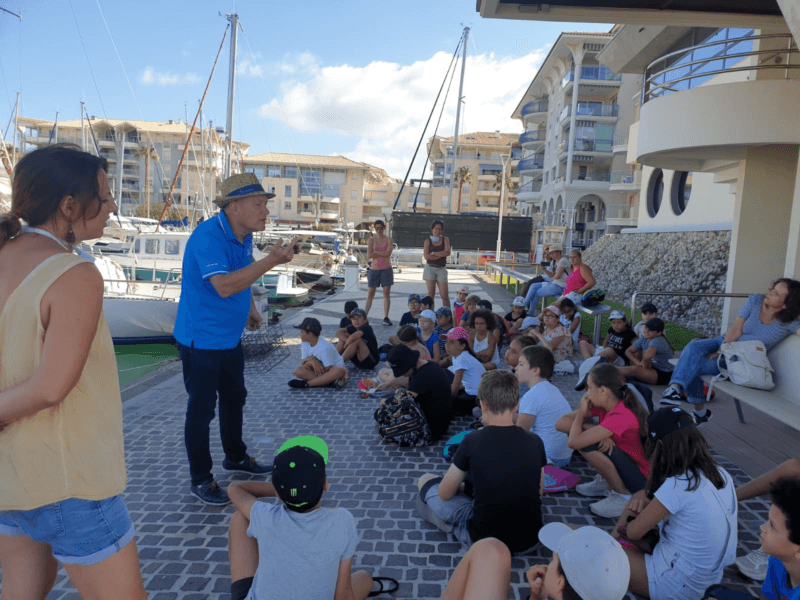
[(63, 244)]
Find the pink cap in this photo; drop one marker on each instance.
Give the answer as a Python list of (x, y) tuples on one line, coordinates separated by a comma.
[(458, 333), (554, 309)]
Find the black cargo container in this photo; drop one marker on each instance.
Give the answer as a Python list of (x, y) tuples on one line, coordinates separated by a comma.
[(466, 232)]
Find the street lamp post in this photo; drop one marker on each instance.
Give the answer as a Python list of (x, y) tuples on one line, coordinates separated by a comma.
[(505, 158)]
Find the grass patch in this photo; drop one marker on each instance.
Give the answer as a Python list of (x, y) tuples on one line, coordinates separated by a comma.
[(678, 336)]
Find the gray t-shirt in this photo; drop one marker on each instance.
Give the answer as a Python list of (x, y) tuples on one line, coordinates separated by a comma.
[(299, 553), (754, 329), (663, 351), (563, 262)]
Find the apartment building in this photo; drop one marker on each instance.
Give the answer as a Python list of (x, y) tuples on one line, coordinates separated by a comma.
[(478, 169), (575, 178), (136, 173), (312, 190)]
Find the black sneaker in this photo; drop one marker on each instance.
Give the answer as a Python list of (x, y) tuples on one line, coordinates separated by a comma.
[(387, 322), (672, 397), (249, 465), (338, 384), (211, 494), (298, 383), (698, 420)]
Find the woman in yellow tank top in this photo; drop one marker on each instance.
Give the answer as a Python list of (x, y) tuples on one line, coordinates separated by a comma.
[(62, 465)]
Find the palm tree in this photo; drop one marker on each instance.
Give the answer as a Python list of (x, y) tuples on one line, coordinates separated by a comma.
[(148, 152), (510, 186), (463, 176)]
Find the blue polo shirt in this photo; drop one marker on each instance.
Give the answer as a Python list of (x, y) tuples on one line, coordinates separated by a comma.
[(205, 318)]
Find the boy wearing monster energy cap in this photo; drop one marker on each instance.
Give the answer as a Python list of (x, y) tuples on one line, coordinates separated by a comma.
[(293, 549)]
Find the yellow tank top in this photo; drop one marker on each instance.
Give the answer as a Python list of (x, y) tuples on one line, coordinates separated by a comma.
[(74, 450)]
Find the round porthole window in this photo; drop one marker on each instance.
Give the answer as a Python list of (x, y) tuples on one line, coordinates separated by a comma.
[(655, 192), (681, 191)]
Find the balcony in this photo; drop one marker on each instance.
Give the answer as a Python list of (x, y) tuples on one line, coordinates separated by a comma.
[(531, 164), (306, 213), (592, 74), (620, 143), (535, 111), (591, 110), (488, 193), (530, 191), (532, 140), (592, 146), (329, 215), (626, 179)]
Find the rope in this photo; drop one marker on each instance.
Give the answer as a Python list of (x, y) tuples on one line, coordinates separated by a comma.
[(422, 137), (91, 71)]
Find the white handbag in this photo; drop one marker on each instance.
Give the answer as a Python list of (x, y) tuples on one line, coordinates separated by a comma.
[(745, 364)]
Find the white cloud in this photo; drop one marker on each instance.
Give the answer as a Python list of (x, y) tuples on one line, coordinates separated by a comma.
[(386, 104), (152, 77)]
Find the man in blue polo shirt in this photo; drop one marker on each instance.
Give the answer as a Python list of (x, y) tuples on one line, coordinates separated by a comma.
[(215, 306)]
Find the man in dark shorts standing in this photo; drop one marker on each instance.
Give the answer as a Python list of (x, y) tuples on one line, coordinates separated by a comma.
[(215, 305), (379, 251)]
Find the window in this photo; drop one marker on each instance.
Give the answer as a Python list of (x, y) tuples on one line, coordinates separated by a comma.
[(353, 195), (290, 172), (271, 189), (354, 177), (287, 191), (352, 209), (171, 247), (655, 192), (257, 171), (681, 191), (273, 171), (137, 246), (287, 205), (310, 182), (151, 246)]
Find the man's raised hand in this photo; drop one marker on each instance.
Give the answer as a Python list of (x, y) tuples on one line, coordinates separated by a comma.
[(283, 254)]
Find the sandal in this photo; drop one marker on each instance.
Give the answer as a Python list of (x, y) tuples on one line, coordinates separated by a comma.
[(381, 590)]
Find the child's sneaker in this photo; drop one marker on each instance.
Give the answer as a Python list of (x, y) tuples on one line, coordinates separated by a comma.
[(610, 507), (387, 322), (298, 383), (338, 384), (672, 397), (753, 565), (595, 487), (698, 420)]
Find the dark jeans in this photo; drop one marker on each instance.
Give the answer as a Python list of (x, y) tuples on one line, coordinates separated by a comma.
[(626, 467), (205, 372)]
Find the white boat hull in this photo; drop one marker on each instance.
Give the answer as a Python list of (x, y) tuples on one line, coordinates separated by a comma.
[(140, 319)]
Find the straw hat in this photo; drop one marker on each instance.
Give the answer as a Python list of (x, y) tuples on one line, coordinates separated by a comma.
[(240, 186)]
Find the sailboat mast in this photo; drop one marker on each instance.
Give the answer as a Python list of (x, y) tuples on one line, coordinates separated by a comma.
[(458, 119), (234, 19)]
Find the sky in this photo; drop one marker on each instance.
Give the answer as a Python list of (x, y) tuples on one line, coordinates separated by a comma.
[(356, 78)]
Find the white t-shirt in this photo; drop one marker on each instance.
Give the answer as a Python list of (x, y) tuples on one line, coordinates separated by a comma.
[(299, 553), (548, 405), (324, 351), (701, 529), (473, 371)]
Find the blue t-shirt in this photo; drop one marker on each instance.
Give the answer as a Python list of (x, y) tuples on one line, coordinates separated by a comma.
[(430, 342), (441, 331), (663, 351), (778, 580), (754, 329), (204, 317)]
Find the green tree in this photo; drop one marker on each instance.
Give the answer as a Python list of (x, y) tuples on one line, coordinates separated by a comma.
[(148, 152), (510, 186), (463, 175)]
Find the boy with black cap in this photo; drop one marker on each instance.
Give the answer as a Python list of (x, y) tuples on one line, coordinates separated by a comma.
[(357, 341), (293, 549), (320, 363), (649, 311), (649, 356), (349, 306)]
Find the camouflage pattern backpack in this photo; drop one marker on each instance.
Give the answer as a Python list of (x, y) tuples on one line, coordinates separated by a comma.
[(402, 422)]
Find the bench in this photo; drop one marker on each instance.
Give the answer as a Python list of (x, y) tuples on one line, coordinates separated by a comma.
[(597, 311), (782, 402)]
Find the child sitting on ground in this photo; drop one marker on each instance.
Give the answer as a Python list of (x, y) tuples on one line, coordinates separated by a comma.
[(407, 336), (444, 323), (614, 447), (467, 371), (414, 308), (499, 331), (294, 548), (554, 337), (514, 318), (426, 303), (692, 501), (543, 405), (515, 350), (320, 363), (649, 311), (571, 320), (470, 306), (649, 356), (505, 463), (427, 335), (619, 339), (357, 342), (780, 539), (481, 340), (348, 308)]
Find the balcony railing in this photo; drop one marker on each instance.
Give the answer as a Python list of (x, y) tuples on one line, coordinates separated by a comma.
[(530, 187), (538, 135), (591, 109), (619, 212), (674, 73), (621, 139), (626, 176), (599, 73), (533, 163), (587, 146), (601, 176), (536, 106)]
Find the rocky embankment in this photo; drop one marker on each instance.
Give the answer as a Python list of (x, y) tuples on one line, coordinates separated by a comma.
[(694, 261)]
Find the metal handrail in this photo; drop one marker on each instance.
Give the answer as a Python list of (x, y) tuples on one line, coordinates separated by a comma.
[(638, 293)]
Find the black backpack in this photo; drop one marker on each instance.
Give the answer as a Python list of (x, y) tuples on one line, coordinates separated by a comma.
[(402, 422), (593, 298)]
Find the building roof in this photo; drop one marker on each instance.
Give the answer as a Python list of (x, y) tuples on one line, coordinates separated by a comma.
[(306, 160), (484, 138), (150, 126)]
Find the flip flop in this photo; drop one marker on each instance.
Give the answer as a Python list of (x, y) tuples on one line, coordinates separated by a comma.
[(381, 590)]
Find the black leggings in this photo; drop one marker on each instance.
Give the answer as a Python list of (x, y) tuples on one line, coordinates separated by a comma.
[(626, 467), (463, 404)]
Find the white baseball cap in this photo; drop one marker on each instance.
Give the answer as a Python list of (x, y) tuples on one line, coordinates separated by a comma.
[(518, 301), (594, 563), (428, 314), (617, 314), (529, 322)]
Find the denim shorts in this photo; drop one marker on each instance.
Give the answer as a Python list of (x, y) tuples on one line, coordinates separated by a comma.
[(80, 532)]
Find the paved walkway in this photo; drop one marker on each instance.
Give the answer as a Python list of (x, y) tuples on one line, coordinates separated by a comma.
[(183, 544)]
